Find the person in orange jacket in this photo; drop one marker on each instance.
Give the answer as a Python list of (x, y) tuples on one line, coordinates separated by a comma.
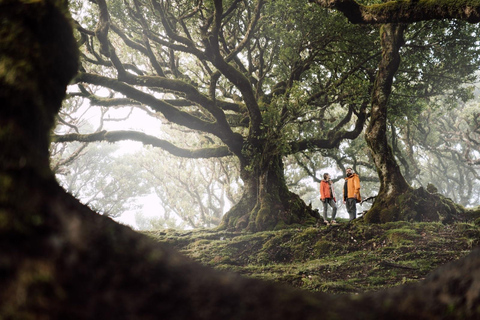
[(327, 196), (351, 193)]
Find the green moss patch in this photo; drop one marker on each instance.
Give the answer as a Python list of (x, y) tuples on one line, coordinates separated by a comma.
[(417, 205), (344, 258)]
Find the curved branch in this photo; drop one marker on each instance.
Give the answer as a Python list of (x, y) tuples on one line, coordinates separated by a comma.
[(62, 121), (219, 128), (189, 45), (101, 31), (132, 44), (335, 136), (119, 102), (65, 162), (81, 29), (231, 73), (405, 11), (249, 33), (190, 92), (115, 136)]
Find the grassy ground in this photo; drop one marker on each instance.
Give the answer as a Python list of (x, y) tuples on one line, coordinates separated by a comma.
[(344, 258)]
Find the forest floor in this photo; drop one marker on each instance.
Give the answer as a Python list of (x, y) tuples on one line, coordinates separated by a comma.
[(350, 257)]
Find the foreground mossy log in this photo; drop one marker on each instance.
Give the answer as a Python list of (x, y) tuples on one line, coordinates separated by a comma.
[(60, 260)]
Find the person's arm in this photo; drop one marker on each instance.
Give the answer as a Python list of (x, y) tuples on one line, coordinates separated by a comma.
[(357, 187), (332, 191)]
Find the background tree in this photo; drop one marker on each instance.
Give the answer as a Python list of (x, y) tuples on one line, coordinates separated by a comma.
[(114, 179), (252, 77), (392, 34), (107, 183), (98, 174), (193, 193), (444, 150)]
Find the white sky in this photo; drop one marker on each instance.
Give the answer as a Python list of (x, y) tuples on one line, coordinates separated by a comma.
[(151, 206)]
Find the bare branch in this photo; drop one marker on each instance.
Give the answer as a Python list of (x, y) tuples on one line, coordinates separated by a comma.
[(334, 136), (115, 136)]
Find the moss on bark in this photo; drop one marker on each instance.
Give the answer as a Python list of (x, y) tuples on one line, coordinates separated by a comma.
[(267, 204), (415, 205)]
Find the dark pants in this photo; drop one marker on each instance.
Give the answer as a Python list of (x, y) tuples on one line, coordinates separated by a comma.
[(331, 202), (352, 208)]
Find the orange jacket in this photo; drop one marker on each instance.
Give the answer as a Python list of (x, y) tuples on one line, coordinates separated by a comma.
[(325, 190), (352, 187)]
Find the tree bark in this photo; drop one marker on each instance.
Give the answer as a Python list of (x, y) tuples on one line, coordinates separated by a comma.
[(396, 200), (267, 204), (392, 182), (60, 260), (403, 11)]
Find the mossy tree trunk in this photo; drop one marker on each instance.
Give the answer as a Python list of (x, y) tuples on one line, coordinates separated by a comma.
[(266, 204), (396, 200), (392, 182)]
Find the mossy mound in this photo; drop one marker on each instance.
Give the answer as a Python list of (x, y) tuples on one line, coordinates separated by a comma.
[(271, 213), (416, 205), (344, 258), (473, 214)]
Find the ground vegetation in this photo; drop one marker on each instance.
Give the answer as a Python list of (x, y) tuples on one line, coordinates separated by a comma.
[(348, 258)]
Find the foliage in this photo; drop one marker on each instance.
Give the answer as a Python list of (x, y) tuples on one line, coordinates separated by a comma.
[(254, 79), (440, 148), (108, 183), (193, 193), (431, 68)]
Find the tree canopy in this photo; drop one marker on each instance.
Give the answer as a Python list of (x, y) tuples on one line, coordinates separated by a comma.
[(262, 80), (258, 80)]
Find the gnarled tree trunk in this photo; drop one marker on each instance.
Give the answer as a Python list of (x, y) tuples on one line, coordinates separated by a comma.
[(267, 204), (396, 200), (392, 182)]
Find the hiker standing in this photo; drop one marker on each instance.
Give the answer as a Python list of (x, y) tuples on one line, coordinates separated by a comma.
[(327, 196), (351, 193)]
